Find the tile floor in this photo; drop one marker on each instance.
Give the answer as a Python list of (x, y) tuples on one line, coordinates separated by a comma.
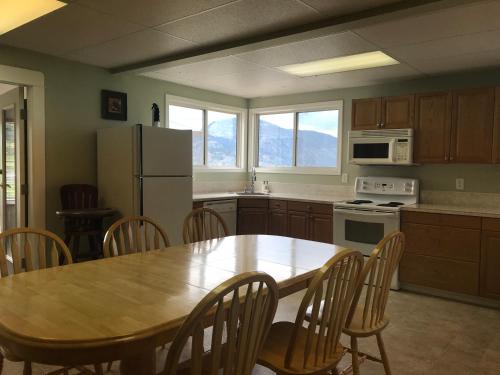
[(427, 335)]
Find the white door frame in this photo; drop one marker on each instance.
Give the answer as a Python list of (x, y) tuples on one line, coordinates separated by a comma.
[(35, 83)]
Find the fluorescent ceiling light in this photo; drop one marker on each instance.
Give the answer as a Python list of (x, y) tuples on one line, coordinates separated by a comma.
[(18, 12), (340, 64)]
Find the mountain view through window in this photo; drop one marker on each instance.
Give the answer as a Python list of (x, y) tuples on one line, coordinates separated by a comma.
[(314, 142)]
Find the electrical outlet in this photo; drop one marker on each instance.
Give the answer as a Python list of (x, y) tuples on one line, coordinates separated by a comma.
[(345, 178), (459, 184)]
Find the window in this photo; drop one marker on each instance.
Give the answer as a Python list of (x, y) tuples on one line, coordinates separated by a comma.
[(217, 132), (304, 139)]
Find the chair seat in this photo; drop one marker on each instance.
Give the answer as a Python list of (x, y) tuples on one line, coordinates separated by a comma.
[(275, 347), (356, 327)]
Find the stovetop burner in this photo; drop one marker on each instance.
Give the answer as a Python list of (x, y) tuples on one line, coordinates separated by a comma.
[(359, 201), (391, 204)]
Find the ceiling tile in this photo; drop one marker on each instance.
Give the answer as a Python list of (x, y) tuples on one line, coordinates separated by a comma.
[(342, 44), (362, 77), (342, 7), (143, 45), (69, 28), (466, 19), (240, 19), (214, 67), (447, 64), (153, 12), (454, 46)]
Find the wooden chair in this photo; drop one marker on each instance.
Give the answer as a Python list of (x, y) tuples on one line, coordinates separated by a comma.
[(134, 234), (203, 224), (31, 249), (81, 196), (240, 310), (367, 316), (314, 348)]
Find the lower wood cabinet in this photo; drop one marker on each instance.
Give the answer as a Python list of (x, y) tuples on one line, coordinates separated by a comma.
[(321, 228), (277, 218), (442, 251), (252, 216), (310, 221), (490, 259), (298, 225)]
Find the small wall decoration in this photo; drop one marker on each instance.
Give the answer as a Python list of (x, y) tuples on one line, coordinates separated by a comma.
[(114, 105)]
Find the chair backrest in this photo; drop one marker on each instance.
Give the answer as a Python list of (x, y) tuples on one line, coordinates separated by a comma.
[(377, 274), (240, 311), (78, 196), (37, 247), (335, 283), (203, 224), (133, 234)]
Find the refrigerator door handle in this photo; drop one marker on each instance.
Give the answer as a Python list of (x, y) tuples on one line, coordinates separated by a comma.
[(141, 181)]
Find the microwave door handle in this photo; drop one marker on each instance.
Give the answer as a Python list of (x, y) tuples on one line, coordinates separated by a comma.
[(391, 150), (364, 213)]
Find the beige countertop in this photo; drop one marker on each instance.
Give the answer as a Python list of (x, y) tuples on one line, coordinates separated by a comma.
[(296, 197), (493, 211)]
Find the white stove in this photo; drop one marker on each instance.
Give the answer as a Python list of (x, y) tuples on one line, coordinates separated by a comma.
[(374, 213), (385, 194)]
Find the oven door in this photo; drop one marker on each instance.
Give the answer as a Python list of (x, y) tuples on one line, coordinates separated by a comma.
[(371, 151), (361, 229)]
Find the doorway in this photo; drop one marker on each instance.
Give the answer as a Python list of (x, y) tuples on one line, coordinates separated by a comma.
[(13, 172)]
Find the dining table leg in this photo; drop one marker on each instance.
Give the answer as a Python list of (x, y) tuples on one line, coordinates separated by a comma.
[(143, 363)]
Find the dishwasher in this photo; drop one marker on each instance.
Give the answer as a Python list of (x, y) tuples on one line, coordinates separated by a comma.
[(226, 209)]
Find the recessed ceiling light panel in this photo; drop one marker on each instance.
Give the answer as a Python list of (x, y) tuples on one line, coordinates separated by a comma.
[(340, 64), (18, 12)]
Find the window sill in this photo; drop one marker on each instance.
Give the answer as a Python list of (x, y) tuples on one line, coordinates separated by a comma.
[(218, 170), (294, 170)]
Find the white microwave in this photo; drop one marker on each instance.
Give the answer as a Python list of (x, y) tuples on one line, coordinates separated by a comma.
[(381, 147)]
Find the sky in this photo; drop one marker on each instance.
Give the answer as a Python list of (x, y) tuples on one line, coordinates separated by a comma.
[(321, 121)]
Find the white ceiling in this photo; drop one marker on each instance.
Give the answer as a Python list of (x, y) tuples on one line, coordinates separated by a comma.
[(460, 38), (113, 33)]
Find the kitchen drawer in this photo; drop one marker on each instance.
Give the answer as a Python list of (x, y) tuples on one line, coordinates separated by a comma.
[(277, 204), (440, 273), (253, 202), (448, 242), (318, 208), (490, 224), (460, 221)]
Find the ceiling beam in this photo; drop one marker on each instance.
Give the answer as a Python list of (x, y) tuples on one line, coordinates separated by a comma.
[(312, 30)]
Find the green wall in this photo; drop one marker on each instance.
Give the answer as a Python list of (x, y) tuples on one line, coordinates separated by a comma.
[(478, 178), (72, 112)]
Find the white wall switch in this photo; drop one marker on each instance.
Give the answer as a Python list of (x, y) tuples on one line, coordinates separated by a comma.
[(459, 184), (345, 178)]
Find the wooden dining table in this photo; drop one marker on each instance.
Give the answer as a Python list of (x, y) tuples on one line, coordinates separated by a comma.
[(123, 308)]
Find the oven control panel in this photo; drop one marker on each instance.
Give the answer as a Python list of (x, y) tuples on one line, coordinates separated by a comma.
[(386, 185)]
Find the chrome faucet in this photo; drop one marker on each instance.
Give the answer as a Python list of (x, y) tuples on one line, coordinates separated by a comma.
[(253, 178)]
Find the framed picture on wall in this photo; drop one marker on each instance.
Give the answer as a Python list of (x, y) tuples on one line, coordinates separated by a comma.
[(114, 105)]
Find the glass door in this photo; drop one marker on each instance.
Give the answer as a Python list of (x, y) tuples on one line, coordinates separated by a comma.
[(12, 172)]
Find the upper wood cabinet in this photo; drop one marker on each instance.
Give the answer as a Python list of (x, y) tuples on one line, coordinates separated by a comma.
[(366, 113), (472, 126), (393, 112), (397, 112), (432, 127)]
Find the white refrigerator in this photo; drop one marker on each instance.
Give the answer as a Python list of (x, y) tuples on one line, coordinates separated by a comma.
[(144, 170)]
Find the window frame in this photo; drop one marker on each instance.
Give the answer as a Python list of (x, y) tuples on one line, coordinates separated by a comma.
[(241, 145), (295, 109)]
